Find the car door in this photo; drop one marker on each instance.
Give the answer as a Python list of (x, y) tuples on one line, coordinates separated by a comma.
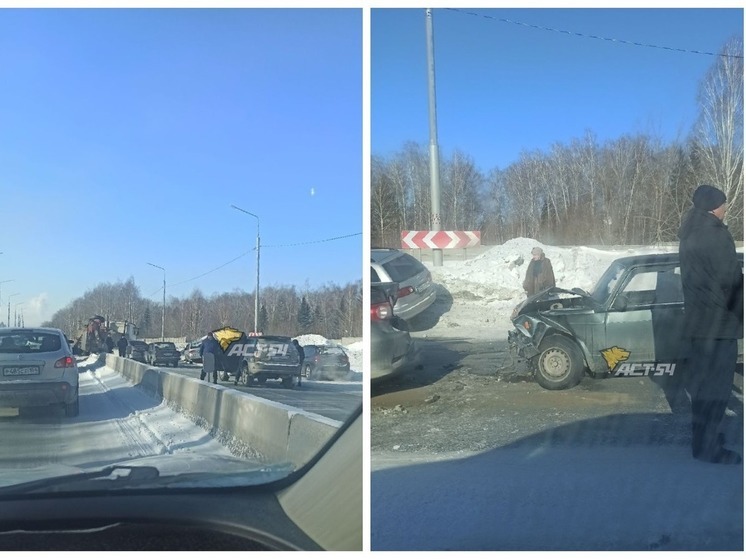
[(629, 320)]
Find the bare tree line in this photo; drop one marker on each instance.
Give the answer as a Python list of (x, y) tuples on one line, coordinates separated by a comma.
[(629, 190), (335, 311)]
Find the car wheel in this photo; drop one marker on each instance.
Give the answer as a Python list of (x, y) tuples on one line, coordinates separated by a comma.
[(261, 379), (307, 371), (287, 382), (560, 363), (247, 379), (73, 409)]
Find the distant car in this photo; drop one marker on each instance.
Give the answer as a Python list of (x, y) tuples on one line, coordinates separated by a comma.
[(323, 360), (190, 354), (416, 290), (38, 369), (630, 324), (163, 352), (136, 350), (391, 346)]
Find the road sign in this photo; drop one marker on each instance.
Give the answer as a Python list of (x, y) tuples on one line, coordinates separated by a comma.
[(440, 239)]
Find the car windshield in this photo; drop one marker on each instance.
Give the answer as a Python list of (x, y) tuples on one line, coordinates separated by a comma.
[(113, 109), (607, 282)]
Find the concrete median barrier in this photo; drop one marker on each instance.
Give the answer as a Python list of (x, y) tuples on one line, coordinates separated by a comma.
[(270, 431)]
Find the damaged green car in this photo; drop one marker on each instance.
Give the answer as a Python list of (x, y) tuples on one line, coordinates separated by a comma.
[(629, 325)]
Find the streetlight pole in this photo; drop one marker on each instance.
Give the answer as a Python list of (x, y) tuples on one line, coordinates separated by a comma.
[(2, 282), (9, 296), (258, 248), (15, 313), (163, 316)]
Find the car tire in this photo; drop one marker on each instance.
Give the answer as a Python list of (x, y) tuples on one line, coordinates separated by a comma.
[(560, 364), (73, 409), (246, 377), (288, 382), (261, 379), (307, 371)]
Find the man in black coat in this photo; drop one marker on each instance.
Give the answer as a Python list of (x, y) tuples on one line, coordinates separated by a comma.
[(122, 346), (208, 351), (713, 319)]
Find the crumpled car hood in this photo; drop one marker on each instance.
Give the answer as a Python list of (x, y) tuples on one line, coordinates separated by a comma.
[(555, 299)]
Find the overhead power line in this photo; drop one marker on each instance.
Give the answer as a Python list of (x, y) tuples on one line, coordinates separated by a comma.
[(250, 251), (597, 37)]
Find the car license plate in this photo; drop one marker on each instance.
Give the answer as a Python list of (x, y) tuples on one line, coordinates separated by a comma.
[(20, 371)]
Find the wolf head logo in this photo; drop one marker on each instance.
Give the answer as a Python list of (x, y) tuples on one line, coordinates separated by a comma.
[(226, 336), (614, 355)]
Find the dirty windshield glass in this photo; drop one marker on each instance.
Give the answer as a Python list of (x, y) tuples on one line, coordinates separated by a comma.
[(198, 171)]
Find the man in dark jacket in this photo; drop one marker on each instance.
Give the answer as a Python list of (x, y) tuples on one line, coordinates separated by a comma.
[(208, 351), (713, 320), (122, 345), (301, 357)]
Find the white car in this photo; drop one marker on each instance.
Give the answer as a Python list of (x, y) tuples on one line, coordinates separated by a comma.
[(37, 368)]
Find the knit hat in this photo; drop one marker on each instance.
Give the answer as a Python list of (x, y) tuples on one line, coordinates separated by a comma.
[(708, 198)]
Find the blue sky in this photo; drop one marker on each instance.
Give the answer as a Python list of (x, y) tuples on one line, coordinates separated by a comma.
[(503, 88), (127, 134)]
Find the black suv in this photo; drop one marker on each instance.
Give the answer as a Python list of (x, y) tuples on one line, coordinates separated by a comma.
[(260, 358)]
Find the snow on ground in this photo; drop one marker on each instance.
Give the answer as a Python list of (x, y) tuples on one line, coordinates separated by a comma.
[(547, 495)]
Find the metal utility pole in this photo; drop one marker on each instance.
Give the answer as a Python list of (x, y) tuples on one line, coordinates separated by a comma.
[(9, 296), (434, 162), (2, 282), (258, 245), (163, 316)]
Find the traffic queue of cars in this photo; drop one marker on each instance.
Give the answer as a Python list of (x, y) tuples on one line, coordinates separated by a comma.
[(252, 359)]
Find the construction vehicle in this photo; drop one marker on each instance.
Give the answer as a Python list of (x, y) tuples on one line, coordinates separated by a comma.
[(91, 338)]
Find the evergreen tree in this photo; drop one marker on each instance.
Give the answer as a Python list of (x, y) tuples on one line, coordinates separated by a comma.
[(305, 316)]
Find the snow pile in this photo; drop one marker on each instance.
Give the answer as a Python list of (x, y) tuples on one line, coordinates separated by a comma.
[(498, 273)]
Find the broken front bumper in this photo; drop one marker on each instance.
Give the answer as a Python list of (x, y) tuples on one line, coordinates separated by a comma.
[(521, 345)]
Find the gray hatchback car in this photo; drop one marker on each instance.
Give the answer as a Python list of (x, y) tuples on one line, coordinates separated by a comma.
[(37, 368), (416, 291)]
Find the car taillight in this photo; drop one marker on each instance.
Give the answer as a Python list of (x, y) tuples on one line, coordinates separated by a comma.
[(381, 311), (404, 291), (64, 362)]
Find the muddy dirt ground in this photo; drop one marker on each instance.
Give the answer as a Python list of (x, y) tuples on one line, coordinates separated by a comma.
[(467, 395)]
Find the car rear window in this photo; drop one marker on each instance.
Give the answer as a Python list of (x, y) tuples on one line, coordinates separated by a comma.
[(403, 267), (30, 343), (165, 345)]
